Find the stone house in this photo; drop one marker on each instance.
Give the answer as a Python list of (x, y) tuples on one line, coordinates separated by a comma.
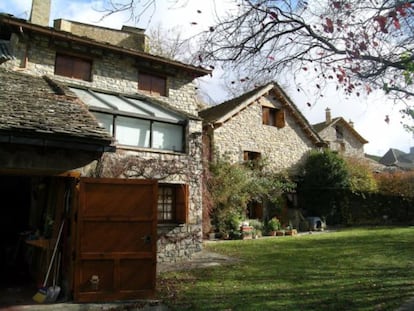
[(101, 152), (341, 136), (261, 124)]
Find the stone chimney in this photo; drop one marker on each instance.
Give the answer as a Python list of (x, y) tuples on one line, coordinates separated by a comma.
[(40, 12), (128, 37), (328, 117), (351, 123)]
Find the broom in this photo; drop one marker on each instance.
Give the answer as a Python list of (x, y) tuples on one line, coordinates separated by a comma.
[(41, 294)]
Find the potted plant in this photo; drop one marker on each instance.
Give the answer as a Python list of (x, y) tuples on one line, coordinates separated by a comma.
[(257, 226), (273, 225)]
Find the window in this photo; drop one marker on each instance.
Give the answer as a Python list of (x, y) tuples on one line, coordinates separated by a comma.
[(172, 203), (152, 84), (73, 67), (252, 159), (273, 117), (339, 133), (342, 147), (136, 122), (251, 156)]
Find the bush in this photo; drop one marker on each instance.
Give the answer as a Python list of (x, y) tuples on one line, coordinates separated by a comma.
[(273, 224)]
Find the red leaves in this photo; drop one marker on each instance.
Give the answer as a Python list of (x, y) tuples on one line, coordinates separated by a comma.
[(336, 4), (368, 88), (382, 22), (363, 46), (273, 15), (328, 27), (396, 23), (394, 15)]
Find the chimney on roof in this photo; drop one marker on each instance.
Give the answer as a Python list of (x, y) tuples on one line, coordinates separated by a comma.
[(328, 117), (351, 124), (40, 12)]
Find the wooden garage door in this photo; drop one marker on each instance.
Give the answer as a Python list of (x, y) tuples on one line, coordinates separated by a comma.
[(116, 240)]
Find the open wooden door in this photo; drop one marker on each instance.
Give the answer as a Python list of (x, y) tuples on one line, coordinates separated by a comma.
[(115, 255)]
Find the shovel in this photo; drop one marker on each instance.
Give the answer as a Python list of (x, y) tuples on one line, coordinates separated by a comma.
[(53, 291)]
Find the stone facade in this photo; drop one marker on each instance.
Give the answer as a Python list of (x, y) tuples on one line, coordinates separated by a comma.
[(283, 149), (35, 54), (110, 71), (348, 145), (341, 136)]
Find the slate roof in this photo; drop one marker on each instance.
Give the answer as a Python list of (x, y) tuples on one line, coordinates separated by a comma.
[(398, 158), (214, 113), (222, 112), (319, 127), (36, 110)]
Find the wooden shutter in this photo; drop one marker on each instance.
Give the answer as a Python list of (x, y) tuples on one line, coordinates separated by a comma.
[(144, 82), (158, 86), (265, 115), (63, 66), (280, 118), (73, 67), (182, 198), (82, 69), (152, 84)]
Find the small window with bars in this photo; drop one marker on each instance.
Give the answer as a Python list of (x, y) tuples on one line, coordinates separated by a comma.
[(173, 203), (166, 204)]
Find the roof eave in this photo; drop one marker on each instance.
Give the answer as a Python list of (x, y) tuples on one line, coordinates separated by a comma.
[(242, 105), (196, 71)]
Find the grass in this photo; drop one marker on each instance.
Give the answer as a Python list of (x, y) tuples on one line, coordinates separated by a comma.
[(353, 269)]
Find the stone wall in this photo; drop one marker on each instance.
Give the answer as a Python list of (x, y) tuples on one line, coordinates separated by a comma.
[(110, 71), (282, 148), (113, 72)]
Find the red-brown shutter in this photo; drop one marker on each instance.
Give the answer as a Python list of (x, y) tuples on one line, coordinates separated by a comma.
[(265, 115), (73, 67), (158, 86), (82, 69), (152, 84), (182, 198), (63, 66), (280, 118), (144, 82)]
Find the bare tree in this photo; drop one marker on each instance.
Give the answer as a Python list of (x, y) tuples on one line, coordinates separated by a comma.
[(169, 43), (361, 45)]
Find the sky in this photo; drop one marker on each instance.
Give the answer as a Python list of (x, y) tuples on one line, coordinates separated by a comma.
[(368, 113)]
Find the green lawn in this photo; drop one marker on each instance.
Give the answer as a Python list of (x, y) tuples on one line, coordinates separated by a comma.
[(353, 269)]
